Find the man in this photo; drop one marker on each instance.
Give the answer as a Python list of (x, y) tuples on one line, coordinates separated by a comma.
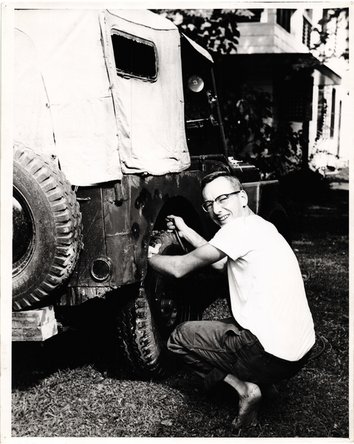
[(271, 333)]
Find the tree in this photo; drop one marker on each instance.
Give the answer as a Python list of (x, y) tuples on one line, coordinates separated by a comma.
[(214, 29), (276, 151), (332, 34), (247, 112)]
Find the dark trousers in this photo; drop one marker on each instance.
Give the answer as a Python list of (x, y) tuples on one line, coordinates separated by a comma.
[(216, 348)]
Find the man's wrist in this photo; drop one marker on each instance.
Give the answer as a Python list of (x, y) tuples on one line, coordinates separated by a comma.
[(194, 238)]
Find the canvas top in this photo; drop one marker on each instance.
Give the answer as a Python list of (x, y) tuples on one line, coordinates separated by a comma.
[(73, 102)]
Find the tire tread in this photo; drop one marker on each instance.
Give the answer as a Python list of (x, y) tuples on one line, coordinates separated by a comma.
[(138, 337), (67, 220)]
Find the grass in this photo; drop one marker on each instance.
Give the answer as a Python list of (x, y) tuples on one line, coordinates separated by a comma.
[(58, 391)]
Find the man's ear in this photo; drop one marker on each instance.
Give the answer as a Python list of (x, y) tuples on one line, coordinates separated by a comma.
[(244, 198)]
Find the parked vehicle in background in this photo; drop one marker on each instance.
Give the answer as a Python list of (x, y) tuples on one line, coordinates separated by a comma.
[(116, 122)]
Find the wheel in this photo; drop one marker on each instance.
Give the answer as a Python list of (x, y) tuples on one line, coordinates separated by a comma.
[(46, 229), (146, 320)]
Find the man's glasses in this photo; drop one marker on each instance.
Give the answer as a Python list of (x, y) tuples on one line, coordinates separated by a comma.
[(223, 198)]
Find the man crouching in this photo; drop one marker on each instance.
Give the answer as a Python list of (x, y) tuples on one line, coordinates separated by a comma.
[(271, 332)]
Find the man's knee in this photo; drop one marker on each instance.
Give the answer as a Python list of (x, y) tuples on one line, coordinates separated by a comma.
[(181, 337)]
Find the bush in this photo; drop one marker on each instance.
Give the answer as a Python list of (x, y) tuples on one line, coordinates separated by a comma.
[(253, 137)]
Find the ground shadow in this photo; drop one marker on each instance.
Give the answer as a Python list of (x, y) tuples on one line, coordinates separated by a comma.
[(87, 338)]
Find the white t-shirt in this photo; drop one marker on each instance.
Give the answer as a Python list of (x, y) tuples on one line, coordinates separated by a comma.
[(266, 287)]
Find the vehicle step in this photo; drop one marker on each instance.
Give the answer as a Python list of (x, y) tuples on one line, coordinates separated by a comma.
[(34, 325)]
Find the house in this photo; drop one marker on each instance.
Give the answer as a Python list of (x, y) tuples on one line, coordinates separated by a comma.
[(274, 56)]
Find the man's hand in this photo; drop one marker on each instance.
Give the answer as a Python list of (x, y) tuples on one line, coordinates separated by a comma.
[(191, 236), (180, 265), (177, 223), (177, 266)]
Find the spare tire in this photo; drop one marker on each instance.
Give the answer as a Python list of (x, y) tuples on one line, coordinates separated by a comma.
[(146, 320), (46, 229)]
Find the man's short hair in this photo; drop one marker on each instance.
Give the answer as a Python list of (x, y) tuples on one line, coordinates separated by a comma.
[(216, 174)]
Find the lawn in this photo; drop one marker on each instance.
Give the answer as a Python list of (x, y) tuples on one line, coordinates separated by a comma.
[(58, 391)]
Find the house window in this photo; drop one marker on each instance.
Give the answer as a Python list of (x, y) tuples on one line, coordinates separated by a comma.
[(325, 19), (333, 113), (321, 113), (339, 127), (306, 32), (284, 18), (134, 57), (294, 97)]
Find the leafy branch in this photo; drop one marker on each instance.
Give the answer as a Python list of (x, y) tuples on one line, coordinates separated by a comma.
[(214, 29)]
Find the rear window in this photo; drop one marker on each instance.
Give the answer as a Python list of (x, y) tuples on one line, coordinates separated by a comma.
[(134, 56)]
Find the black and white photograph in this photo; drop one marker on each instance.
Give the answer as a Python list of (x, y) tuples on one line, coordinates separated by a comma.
[(179, 183)]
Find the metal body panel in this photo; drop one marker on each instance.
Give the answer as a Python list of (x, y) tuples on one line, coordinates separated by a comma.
[(118, 221), (93, 234), (119, 227)]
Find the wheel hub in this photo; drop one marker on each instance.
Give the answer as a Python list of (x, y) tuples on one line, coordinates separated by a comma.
[(165, 303), (23, 232), (169, 312)]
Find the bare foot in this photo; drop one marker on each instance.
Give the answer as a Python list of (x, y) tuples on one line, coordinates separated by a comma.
[(248, 407)]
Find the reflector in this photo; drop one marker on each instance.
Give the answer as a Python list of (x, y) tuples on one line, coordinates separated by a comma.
[(101, 269), (195, 83)]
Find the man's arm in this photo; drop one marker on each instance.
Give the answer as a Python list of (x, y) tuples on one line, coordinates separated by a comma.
[(179, 266), (191, 236), (176, 223)]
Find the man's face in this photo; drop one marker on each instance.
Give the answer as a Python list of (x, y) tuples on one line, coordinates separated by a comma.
[(225, 207)]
